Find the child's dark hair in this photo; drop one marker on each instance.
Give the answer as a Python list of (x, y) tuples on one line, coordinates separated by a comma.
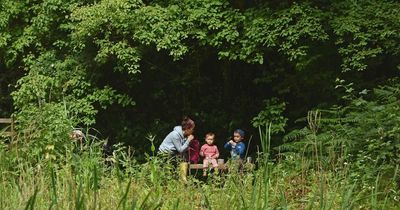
[(187, 123), (210, 134), (240, 132)]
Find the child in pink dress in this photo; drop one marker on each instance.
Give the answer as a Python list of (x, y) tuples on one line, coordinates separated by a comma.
[(210, 153)]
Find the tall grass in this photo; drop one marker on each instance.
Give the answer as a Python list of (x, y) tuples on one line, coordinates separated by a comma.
[(83, 180)]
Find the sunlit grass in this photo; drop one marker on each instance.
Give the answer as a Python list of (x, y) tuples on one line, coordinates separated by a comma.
[(84, 180)]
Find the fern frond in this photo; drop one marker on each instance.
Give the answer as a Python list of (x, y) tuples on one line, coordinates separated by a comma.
[(296, 134)]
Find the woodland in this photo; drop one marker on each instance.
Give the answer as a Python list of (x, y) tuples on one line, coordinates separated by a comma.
[(313, 83)]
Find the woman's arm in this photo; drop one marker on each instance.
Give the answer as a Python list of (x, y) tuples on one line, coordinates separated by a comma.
[(176, 140)]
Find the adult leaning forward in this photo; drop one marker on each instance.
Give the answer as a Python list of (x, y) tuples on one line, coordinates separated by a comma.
[(176, 143)]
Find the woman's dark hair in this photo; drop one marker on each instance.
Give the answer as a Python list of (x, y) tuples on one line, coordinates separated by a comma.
[(187, 123)]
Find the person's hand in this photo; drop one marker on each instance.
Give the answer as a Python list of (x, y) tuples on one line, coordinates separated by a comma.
[(232, 142), (201, 154), (190, 138)]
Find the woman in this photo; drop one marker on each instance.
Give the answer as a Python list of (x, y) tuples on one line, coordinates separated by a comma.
[(177, 141)]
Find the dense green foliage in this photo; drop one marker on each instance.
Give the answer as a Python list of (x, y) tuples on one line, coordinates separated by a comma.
[(185, 57), (131, 69), (364, 134)]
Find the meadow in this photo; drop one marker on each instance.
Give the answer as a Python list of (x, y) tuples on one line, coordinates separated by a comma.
[(85, 179)]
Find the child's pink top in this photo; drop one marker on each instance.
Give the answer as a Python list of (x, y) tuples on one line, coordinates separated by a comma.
[(209, 151)]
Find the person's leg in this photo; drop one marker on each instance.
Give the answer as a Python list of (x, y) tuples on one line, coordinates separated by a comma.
[(183, 169), (205, 163), (214, 163), (205, 166)]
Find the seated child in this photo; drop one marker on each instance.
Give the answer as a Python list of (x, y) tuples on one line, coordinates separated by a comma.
[(236, 146), (210, 153)]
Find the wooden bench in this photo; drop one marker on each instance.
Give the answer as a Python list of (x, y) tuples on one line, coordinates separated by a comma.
[(196, 167), (9, 131), (221, 166)]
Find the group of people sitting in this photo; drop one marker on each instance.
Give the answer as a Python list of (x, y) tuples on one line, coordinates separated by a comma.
[(181, 143)]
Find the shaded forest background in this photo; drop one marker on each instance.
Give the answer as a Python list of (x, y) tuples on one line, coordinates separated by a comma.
[(129, 68)]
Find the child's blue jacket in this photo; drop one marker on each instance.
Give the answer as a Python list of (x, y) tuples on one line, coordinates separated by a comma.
[(236, 151)]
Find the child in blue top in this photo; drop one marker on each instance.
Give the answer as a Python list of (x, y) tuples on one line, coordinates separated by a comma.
[(236, 146)]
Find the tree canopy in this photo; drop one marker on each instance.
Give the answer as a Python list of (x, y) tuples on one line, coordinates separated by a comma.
[(130, 67)]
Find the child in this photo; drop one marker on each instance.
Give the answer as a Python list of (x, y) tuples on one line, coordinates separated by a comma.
[(210, 153), (236, 146)]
